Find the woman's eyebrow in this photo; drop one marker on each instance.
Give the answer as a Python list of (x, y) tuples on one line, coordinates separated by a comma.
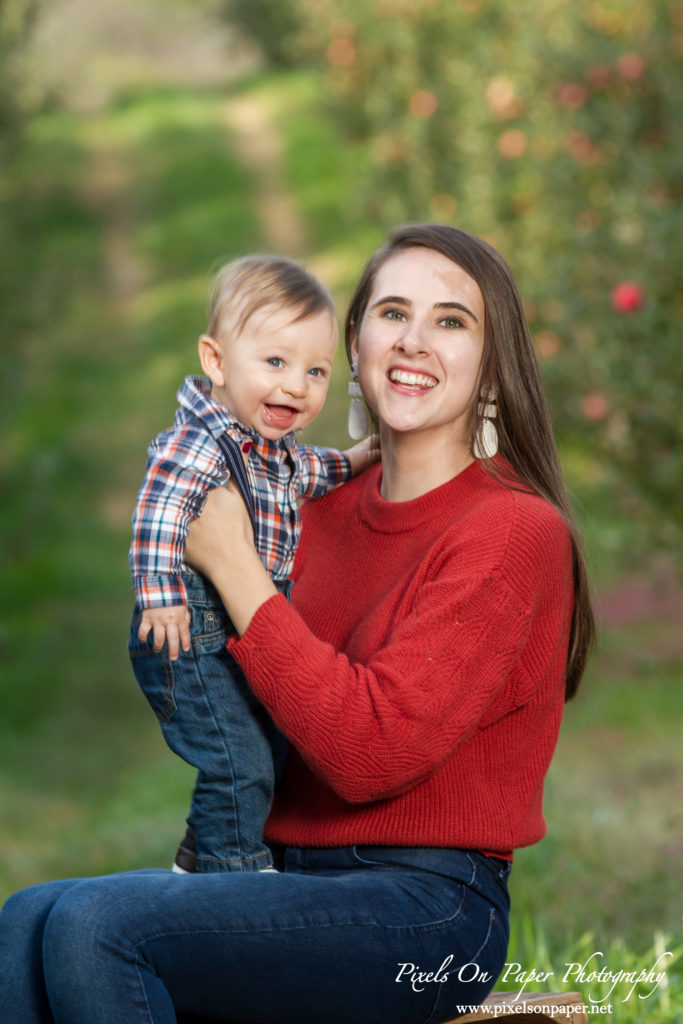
[(457, 305), (399, 300)]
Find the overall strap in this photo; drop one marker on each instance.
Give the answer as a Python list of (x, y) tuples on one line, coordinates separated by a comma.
[(238, 471)]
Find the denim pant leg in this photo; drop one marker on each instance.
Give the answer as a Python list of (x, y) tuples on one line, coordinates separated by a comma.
[(23, 919), (210, 717), (371, 934), (383, 936)]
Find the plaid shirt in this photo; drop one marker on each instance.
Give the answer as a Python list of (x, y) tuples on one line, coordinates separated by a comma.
[(185, 463)]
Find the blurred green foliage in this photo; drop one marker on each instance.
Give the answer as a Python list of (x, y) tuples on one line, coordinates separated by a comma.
[(554, 130), (113, 222)]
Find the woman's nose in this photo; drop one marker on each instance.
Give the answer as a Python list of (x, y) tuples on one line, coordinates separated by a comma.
[(412, 339)]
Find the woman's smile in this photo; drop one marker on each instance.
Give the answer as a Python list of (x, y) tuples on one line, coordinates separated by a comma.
[(410, 382)]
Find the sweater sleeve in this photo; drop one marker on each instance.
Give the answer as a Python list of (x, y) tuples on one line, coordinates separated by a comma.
[(374, 730)]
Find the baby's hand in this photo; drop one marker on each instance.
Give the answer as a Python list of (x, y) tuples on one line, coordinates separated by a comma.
[(364, 454), (171, 623)]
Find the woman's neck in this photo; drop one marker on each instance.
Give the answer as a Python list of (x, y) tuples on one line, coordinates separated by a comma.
[(413, 464)]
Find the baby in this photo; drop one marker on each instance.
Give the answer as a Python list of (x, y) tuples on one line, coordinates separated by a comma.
[(267, 356)]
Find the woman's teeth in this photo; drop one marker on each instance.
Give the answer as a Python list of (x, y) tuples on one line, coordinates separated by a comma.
[(416, 380)]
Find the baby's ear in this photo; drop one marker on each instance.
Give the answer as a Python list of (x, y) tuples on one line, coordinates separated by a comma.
[(211, 359)]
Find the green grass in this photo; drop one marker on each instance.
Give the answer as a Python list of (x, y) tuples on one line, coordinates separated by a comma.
[(616, 981), (611, 808), (115, 221)]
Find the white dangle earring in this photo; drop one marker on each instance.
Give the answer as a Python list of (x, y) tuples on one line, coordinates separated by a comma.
[(358, 423), (486, 440)]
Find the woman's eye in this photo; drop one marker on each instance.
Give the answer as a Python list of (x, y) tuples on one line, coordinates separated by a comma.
[(394, 314), (452, 321), (274, 361)]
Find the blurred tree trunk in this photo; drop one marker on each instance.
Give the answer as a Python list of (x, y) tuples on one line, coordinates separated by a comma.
[(274, 26), (16, 20)]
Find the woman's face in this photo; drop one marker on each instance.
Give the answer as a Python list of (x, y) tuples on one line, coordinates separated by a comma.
[(420, 344)]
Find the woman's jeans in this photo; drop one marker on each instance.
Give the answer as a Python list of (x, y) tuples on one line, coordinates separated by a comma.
[(353, 935), (210, 717)]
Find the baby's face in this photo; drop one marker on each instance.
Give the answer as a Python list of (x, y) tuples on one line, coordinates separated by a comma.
[(277, 370)]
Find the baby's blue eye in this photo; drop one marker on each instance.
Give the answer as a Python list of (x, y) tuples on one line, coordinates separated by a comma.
[(274, 361), (317, 371)]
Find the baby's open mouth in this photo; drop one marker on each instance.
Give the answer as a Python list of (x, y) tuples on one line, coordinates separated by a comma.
[(281, 417)]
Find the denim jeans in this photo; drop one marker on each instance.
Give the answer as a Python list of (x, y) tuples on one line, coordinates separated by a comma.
[(379, 935), (210, 717)]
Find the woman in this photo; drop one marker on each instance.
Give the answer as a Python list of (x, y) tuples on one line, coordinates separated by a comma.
[(440, 618)]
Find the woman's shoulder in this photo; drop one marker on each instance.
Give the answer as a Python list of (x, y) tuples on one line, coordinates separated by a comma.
[(502, 489), (512, 497), (498, 493), (511, 527), (535, 549)]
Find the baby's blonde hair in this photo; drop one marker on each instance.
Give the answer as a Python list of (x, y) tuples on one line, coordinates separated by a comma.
[(246, 285)]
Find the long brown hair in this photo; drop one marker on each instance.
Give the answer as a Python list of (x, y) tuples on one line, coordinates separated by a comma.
[(525, 435)]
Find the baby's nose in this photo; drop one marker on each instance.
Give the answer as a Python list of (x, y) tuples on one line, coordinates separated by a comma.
[(295, 384)]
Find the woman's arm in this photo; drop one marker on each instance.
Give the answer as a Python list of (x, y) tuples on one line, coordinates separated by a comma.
[(221, 546), (375, 729)]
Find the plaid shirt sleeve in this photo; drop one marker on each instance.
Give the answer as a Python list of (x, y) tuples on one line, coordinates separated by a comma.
[(322, 469), (184, 464)]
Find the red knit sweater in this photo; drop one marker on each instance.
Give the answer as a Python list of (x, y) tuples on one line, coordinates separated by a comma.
[(420, 672)]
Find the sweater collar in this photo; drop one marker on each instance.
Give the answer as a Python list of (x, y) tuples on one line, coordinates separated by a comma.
[(440, 503)]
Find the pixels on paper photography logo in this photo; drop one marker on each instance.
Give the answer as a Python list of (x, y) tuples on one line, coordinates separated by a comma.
[(606, 983)]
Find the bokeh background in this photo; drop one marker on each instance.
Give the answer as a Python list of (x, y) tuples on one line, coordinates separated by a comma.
[(144, 141)]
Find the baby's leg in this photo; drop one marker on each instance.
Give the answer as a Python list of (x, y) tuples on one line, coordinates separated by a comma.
[(211, 719), (235, 776)]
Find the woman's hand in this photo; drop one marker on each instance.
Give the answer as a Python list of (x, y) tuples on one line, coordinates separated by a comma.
[(220, 545), (223, 524), (366, 453)]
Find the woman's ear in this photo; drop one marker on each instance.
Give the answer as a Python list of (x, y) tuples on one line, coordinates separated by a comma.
[(211, 359), (353, 342)]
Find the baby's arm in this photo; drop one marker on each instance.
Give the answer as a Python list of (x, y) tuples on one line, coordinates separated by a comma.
[(170, 624), (325, 468), (363, 454), (184, 464)]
